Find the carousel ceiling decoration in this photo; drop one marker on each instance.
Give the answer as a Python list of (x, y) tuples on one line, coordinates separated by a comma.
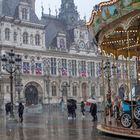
[(114, 30)]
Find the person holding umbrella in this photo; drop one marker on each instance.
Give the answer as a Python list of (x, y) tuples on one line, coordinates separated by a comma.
[(93, 111)]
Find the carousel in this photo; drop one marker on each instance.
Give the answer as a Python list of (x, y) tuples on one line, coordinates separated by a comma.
[(115, 26)]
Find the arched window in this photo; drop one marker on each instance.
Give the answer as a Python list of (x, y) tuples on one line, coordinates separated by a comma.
[(93, 91), (7, 34), (24, 13), (74, 89), (54, 92), (25, 38), (37, 39)]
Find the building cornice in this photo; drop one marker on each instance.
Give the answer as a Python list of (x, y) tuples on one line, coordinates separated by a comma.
[(21, 22), (49, 53)]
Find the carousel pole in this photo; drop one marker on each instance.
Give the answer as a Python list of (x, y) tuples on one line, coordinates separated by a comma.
[(122, 71), (137, 57), (103, 86), (122, 75), (130, 90)]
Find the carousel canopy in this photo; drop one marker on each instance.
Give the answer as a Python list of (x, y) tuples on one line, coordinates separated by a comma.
[(116, 27)]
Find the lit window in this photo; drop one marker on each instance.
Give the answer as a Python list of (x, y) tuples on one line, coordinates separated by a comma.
[(37, 40), (25, 38), (7, 34), (24, 13)]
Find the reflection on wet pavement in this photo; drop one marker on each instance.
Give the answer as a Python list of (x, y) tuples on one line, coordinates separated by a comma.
[(51, 126)]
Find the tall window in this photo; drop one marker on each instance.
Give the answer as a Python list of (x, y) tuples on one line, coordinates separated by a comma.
[(83, 68), (38, 68), (92, 69), (93, 91), (54, 90), (31, 40), (25, 38), (26, 67), (101, 90), (74, 89), (74, 68), (24, 14), (15, 36), (37, 39), (53, 66), (7, 34), (64, 67)]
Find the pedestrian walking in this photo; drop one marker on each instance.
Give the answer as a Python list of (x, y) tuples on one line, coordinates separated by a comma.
[(83, 109), (8, 108), (73, 110), (20, 112), (69, 110), (93, 111)]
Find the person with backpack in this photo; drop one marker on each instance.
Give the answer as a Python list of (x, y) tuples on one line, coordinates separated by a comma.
[(20, 112)]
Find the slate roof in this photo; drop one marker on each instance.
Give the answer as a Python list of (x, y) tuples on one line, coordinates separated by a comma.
[(10, 7), (53, 26)]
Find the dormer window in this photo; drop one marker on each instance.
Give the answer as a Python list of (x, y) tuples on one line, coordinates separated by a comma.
[(25, 38), (7, 34), (37, 39), (24, 14)]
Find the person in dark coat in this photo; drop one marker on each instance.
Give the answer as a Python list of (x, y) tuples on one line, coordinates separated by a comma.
[(8, 108), (83, 108), (73, 110), (93, 111), (20, 112), (69, 109)]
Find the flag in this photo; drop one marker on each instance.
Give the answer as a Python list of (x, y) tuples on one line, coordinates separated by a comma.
[(26, 68), (64, 71), (38, 68), (83, 73)]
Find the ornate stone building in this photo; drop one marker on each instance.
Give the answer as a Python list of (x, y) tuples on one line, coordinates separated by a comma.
[(59, 59)]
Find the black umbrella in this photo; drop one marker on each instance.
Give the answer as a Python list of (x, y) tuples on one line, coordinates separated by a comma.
[(71, 101)]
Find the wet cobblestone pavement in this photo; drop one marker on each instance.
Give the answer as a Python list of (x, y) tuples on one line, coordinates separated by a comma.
[(51, 125)]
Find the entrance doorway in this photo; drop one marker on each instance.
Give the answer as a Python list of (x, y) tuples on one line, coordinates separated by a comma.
[(31, 95)]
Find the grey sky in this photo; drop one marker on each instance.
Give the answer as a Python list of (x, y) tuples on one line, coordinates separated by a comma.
[(84, 6)]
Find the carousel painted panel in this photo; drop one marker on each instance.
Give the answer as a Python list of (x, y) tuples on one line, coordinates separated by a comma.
[(107, 12)]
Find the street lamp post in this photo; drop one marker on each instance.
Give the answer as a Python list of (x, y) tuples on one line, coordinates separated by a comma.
[(11, 63), (18, 83)]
